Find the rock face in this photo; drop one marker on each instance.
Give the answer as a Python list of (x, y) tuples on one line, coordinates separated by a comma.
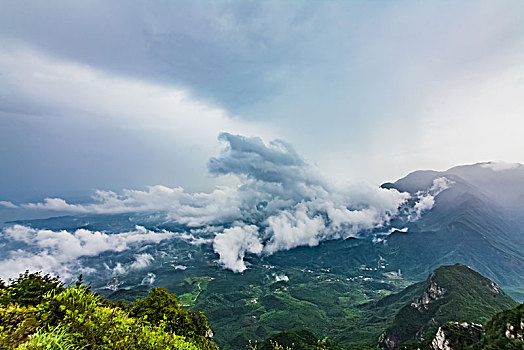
[(515, 331), (505, 330), (432, 293), (387, 341), (456, 336)]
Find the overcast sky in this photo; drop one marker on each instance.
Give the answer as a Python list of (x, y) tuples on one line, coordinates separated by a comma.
[(123, 94)]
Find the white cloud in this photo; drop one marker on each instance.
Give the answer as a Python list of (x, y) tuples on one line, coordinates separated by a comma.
[(426, 199), (7, 204), (281, 278), (281, 202), (193, 209), (56, 252), (289, 229), (141, 261), (234, 242), (149, 279), (500, 166), (118, 269)]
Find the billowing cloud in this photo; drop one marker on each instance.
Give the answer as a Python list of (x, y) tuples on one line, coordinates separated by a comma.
[(426, 199), (275, 162), (57, 252), (280, 202), (233, 244)]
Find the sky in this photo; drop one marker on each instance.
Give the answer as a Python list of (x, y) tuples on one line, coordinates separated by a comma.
[(113, 95)]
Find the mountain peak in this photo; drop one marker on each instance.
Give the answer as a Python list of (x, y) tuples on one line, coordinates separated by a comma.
[(500, 181), (450, 293)]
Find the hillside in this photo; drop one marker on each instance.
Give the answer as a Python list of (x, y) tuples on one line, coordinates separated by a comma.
[(504, 331), (470, 222), (325, 289), (450, 293)]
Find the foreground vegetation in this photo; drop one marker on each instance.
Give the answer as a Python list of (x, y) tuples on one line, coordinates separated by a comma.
[(39, 312)]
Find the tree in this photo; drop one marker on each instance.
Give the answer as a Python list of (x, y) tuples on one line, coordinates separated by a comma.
[(29, 288), (161, 306)]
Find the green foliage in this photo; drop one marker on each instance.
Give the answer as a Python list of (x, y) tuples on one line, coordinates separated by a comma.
[(300, 339), (75, 318), (504, 331), (451, 293), (160, 306), (16, 322), (29, 288), (55, 339)]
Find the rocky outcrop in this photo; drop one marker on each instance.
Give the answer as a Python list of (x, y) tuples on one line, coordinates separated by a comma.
[(432, 293), (456, 336), (450, 293), (515, 331), (387, 341)]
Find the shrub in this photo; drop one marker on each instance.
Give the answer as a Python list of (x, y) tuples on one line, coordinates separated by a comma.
[(37, 312), (29, 288), (161, 306), (16, 323), (55, 339)]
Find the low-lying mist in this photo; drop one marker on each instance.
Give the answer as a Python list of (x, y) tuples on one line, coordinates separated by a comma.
[(280, 202)]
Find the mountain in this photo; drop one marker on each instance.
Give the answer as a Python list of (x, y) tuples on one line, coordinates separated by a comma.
[(500, 181), (477, 221), (348, 290), (450, 293)]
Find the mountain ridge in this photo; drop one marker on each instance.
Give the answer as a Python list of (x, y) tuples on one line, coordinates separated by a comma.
[(450, 293)]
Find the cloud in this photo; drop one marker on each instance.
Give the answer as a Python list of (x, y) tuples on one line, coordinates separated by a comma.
[(118, 269), (7, 204), (281, 278), (141, 261), (290, 202), (57, 252), (117, 131), (280, 202), (289, 229), (234, 243), (275, 162), (193, 209), (149, 279), (500, 166), (426, 199)]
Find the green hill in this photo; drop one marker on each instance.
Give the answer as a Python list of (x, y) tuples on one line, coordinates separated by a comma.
[(469, 223), (450, 293)]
